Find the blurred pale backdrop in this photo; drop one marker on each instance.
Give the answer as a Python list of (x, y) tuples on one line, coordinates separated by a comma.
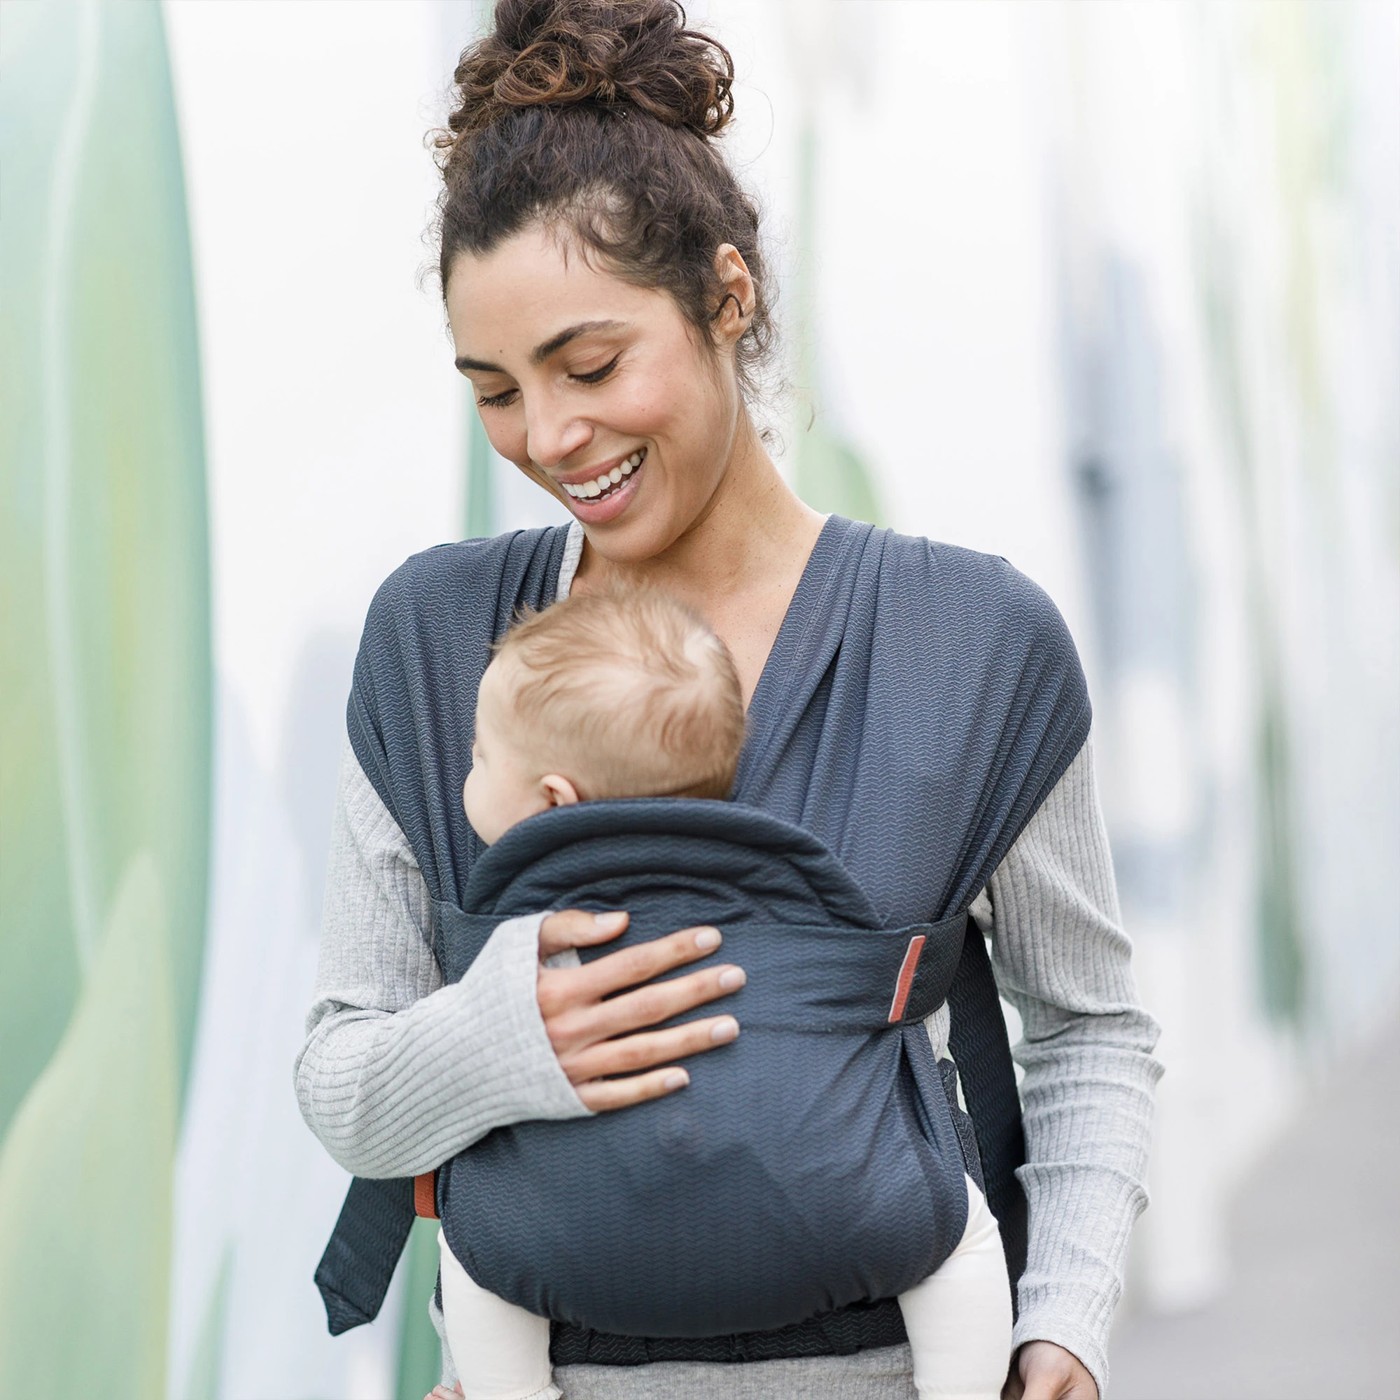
[(1112, 289)]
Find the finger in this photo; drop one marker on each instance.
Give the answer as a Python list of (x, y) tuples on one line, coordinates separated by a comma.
[(604, 1095), (577, 928), (641, 1052), (580, 1026), (630, 967)]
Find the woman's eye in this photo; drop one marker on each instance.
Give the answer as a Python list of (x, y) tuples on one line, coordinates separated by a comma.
[(594, 376), (500, 400)]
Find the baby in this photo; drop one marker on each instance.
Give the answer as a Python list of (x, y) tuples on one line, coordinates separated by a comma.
[(620, 694), (626, 695)]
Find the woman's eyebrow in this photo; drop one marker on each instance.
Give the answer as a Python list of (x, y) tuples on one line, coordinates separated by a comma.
[(545, 349)]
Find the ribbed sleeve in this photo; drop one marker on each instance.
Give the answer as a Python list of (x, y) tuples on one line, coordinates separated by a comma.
[(398, 1072), (1063, 961)]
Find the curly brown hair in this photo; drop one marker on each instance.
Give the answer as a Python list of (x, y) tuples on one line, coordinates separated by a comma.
[(597, 117)]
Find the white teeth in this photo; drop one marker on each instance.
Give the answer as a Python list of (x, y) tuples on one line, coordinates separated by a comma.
[(587, 490)]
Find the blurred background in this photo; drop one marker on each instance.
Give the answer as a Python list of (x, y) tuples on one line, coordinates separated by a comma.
[(1112, 289)]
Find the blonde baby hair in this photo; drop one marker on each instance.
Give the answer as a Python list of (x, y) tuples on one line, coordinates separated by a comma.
[(628, 693)]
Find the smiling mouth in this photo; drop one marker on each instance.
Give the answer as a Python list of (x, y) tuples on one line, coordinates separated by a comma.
[(606, 483)]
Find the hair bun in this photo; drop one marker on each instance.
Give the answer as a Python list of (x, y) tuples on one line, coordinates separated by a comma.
[(560, 52)]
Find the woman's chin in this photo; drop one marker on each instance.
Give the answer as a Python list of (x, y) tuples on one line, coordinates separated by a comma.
[(634, 540)]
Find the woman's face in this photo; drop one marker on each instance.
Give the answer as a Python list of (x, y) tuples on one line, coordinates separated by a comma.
[(597, 390)]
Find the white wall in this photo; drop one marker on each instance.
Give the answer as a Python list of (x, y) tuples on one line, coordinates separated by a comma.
[(984, 167)]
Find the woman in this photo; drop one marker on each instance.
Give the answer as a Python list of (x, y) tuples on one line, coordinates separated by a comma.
[(607, 299)]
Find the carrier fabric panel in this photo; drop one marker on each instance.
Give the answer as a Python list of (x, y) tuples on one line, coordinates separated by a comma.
[(810, 1164), (920, 702)]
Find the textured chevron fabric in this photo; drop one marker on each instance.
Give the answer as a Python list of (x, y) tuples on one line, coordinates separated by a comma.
[(398, 1072), (920, 702), (810, 1164)]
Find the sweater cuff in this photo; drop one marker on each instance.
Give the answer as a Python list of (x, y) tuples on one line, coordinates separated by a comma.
[(1052, 1321), (500, 1032)]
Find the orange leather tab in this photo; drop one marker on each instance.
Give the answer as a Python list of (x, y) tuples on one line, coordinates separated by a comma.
[(425, 1195), (906, 977)]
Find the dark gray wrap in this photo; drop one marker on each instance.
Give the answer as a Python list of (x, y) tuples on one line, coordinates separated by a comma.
[(811, 1164), (920, 702)]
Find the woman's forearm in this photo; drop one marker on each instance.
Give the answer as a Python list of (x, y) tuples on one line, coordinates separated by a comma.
[(398, 1072), (1063, 961)]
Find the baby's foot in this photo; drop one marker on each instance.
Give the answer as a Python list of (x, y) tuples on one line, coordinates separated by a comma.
[(441, 1392)]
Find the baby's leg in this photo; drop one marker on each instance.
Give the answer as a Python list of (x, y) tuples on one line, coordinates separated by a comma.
[(501, 1351), (959, 1318)]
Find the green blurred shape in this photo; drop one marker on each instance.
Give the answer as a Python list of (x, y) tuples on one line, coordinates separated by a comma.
[(1279, 929), (420, 1352), (829, 473), (105, 732), (480, 513), (480, 494), (38, 953), (207, 1359), (86, 1176), (832, 477), (106, 715), (1281, 953)]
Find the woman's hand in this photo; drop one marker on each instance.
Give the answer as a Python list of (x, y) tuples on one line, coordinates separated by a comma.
[(598, 1029), (1044, 1371)]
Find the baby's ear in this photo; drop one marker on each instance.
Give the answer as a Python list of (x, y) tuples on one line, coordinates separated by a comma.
[(558, 791)]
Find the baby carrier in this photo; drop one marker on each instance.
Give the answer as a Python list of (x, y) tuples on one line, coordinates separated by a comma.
[(810, 1164), (919, 703)]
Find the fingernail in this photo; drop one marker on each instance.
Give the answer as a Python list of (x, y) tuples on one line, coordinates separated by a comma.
[(606, 923), (732, 978), (677, 1079), (727, 1029), (707, 938)]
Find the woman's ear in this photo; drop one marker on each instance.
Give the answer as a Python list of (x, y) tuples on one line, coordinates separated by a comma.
[(558, 791), (734, 313)]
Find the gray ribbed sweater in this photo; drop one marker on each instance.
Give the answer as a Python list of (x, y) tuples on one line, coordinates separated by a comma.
[(399, 1072)]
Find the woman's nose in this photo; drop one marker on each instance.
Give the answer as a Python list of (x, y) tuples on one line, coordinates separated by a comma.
[(552, 435)]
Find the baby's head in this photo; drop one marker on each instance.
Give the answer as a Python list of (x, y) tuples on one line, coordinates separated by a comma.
[(620, 693)]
